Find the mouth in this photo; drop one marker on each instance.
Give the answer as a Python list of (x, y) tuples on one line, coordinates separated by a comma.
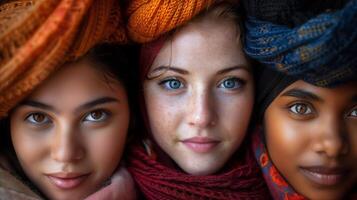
[(201, 144), (324, 176), (67, 180)]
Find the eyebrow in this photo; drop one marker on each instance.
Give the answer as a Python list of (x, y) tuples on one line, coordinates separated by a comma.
[(37, 104), (169, 68), (95, 102), (237, 67), (303, 94), (182, 71)]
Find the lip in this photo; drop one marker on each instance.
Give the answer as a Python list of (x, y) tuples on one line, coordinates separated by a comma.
[(67, 180), (324, 176), (200, 144)]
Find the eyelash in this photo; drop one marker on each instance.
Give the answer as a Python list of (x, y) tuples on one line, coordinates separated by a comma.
[(239, 83), (30, 118), (309, 112), (104, 112), (354, 110), (163, 83)]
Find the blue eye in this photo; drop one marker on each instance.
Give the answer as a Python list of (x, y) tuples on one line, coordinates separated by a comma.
[(38, 119), (171, 84), (301, 109), (96, 116), (231, 83)]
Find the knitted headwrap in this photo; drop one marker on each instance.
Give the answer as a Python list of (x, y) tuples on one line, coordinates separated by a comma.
[(289, 12), (38, 36), (321, 51), (147, 20)]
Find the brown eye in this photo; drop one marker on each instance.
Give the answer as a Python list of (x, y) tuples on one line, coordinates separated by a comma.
[(300, 109), (38, 118), (96, 116)]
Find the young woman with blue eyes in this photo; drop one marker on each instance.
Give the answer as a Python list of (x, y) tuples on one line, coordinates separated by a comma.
[(69, 134), (198, 92), (310, 146)]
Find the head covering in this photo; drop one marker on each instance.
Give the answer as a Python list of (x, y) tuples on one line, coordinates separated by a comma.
[(38, 36), (289, 12), (147, 20), (320, 51), (269, 85)]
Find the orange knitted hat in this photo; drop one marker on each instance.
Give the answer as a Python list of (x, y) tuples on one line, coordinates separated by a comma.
[(148, 19), (38, 36)]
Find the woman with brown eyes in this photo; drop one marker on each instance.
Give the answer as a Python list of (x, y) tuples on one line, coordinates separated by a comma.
[(69, 134), (310, 138)]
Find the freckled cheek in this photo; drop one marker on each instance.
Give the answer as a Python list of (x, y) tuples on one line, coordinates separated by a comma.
[(164, 113), (235, 113)]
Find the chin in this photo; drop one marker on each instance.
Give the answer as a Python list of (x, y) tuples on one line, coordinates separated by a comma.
[(200, 170)]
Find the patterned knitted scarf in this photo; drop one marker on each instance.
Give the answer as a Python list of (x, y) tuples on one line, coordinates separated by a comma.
[(242, 180), (279, 188), (321, 51)]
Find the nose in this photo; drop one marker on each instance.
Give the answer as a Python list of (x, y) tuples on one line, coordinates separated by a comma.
[(66, 146), (202, 109), (332, 138)]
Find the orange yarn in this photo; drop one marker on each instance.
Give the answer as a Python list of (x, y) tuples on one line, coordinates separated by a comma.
[(148, 19), (44, 34)]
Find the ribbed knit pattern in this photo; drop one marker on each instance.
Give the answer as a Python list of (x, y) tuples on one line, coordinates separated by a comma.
[(148, 19), (45, 34)]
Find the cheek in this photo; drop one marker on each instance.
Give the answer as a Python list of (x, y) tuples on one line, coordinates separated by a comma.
[(109, 142), (26, 144), (235, 113), (163, 114), (285, 138)]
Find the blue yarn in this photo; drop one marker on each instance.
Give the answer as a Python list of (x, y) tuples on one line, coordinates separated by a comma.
[(322, 51)]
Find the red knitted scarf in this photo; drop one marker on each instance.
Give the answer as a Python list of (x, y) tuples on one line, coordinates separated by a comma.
[(156, 181)]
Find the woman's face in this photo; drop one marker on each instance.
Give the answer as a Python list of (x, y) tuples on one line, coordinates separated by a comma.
[(311, 137), (69, 135), (200, 104)]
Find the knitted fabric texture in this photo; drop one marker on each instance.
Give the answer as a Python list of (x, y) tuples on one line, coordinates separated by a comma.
[(279, 188), (289, 12), (147, 20), (321, 51), (42, 35), (242, 180)]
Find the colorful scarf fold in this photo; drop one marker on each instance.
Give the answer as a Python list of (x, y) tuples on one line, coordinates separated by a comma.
[(159, 182), (279, 188), (321, 51)]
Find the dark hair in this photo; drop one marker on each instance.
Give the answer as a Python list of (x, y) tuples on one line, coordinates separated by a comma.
[(117, 63)]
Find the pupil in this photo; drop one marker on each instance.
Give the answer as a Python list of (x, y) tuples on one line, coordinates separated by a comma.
[(301, 108), (96, 115), (174, 84), (228, 84), (38, 117)]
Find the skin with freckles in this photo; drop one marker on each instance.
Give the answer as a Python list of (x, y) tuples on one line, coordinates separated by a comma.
[(311, 135), (200, 98), (69, 134)]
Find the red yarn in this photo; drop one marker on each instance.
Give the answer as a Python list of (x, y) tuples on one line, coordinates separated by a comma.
[(156, 181)]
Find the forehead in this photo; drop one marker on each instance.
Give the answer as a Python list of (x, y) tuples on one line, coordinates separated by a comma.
[(204, 44), (76, 81)]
